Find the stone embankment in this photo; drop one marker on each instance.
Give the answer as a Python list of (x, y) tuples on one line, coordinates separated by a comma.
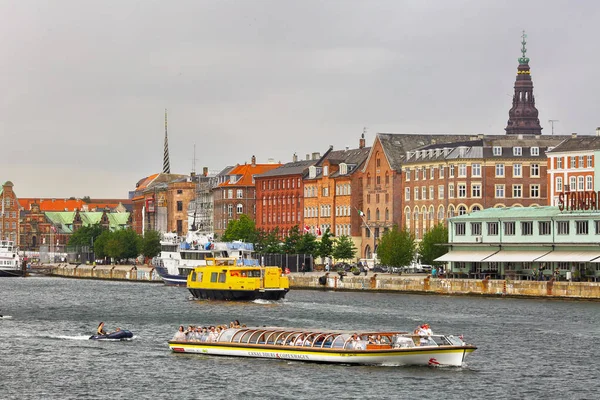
[(419, 284)]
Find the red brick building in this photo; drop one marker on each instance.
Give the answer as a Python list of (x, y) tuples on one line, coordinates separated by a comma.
[(9, 213)]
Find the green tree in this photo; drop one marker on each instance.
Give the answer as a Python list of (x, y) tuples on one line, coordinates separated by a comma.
[(290, 245), (151, 244), (432, 245), (396, 248), (130, 243), (344, 248), (268, 242), (326, 245), (242, 228), (86, 235), (100, 244), (86, 199), (307, 244)]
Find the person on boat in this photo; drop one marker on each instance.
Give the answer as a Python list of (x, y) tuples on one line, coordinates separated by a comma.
[(180, 335), (100, 330), (299, 340)]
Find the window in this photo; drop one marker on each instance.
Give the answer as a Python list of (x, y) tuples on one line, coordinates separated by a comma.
[(588, 182), (451, 190), (431, 193), (325, 191), (527, 228), (476, 170), (416, 193), (459, 229), (423, 192), (431, 173), (517, 151), (573, 162), (240, 209), (462, 210), (424, 172), (517, 171), (407, 174), (499, 170), (180, 205), (497, 150), (492, 228), (442, 168), (581, 227), (239, 193), (407, 194), (580, 183), (476, 228), (572, 184), (580, 161), (230, 210), (562, 227), (230, 194), (440, 191), (499, 191), (559, 186), (451, 171), (535, 151), (509, 228), (476, 190), (462, 170), (462, 191), (597, 225), (517, 191), (534, 191), (544, 227), (534, 170), (179, 191), (416, 174), (559, 161), (589, 161)]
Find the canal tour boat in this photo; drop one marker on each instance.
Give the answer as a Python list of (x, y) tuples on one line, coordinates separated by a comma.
[(10, 262), (330, 346), (225, 279)]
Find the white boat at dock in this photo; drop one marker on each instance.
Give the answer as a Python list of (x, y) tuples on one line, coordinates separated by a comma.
[(10, 262)]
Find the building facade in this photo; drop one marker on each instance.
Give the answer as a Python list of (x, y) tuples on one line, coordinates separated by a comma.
[(9, 213)]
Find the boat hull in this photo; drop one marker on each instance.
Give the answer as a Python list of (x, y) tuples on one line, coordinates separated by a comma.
[(12, 273), (171, 279), (119, 335), (422, 356), (238, 295)]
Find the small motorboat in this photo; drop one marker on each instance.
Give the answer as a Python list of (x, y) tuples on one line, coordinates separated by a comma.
[(5, 316), (117, 335)]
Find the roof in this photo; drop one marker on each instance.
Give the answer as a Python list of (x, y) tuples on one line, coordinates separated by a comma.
[(246, 172), (291, 168), (521, 213), (64, 219), (48, 204), (581, 143)]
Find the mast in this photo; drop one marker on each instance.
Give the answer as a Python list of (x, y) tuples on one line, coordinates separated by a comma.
[(166, 163)]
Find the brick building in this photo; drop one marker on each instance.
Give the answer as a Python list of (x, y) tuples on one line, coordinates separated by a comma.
[(236, 194), (9, 213), (279, 196), (572, 166)]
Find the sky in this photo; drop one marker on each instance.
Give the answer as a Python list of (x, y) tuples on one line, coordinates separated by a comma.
[(84, 84)]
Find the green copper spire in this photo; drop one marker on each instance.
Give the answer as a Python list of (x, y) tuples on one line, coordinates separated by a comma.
[(523, 59)]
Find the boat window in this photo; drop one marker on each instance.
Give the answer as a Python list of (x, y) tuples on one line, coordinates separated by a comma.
[(199, 277), (193, 276), (227, 335), (327, 341), (339, 341), (246, 336), (271, 337), (440, 341), (214, 276), (280, 338), (254, 338), (238, 335), (290, 338), (222, 276), (454, 340)]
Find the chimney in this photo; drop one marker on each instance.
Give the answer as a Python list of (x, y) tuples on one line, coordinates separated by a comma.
[(307, 157), (295, 158), (205, 171), (574, 135), (315, 155), (361, 142), (253, 161), (598, 131)]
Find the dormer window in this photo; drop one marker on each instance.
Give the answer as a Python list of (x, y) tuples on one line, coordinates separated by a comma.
[(325, 170), (535, 151), (497, 150), (343, 169), (517, 151), (312, 172)]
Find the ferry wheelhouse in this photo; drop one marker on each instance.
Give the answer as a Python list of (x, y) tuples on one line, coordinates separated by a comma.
[(225, 279), (10, 262), (331, 346)]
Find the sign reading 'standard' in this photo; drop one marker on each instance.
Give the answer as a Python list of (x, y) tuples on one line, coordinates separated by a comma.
[(579, 201)]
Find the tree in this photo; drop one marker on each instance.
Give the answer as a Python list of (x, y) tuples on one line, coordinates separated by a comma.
[(130, 243), (268, 242), (151, 244), (290, 245), (396, 248), (100, 244), (326, 245), (243, 228), (431, 246), (344, 248), (86, 199), (86, 235), (307, 244)]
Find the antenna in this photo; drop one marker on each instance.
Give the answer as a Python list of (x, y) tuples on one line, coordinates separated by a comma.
[(552, 121), (194, 160)]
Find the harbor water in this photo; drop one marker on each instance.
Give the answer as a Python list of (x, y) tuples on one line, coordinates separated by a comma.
[(526, 348)]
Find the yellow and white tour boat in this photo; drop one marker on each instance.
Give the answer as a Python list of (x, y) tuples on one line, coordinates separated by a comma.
[(330, 346)]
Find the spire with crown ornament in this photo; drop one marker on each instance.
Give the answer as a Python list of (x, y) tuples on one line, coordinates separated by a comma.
[(523, 116)]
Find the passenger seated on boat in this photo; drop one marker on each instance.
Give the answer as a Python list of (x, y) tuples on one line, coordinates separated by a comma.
[(299, 341), (100, 330), (180, 335)]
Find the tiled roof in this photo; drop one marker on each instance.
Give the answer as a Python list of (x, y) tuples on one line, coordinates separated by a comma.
[(70, 204), (144, 182), (578, 144), (245, 172), (291, 168)]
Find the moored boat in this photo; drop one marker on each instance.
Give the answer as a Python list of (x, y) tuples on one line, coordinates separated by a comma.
[(225, 279), (10, 262), (330, 346)]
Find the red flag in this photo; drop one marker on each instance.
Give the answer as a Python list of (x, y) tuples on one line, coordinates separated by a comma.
[(306, 228), (318, 231)]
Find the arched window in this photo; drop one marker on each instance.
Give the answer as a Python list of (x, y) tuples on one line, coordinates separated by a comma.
[(240, 208), (424, 212), (441, 213), (387, 214), (450, 211), (462, 210), (387, 178), (368, 214), (377, 215), (475, 208), (431, 213)]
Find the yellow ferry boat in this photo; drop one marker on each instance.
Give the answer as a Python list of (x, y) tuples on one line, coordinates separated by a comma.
[(224, 279)]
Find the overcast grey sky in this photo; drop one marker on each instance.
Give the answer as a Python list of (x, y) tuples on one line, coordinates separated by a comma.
[(85, 83)]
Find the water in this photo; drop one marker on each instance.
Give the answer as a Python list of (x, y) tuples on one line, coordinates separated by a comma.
[(527, 348)]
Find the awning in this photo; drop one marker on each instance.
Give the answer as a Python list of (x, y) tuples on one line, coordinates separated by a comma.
[(465, 255), (516, 256), (565, 256)]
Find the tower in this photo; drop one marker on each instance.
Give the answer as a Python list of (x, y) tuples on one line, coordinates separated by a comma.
[(166, 163), (523, 116)]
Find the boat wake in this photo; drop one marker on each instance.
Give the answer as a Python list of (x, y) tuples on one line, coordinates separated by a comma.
[(67, 337), (263, 301)]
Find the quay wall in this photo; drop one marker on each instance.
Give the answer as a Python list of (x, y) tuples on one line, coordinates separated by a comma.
[(373, 282), (428, 285)]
